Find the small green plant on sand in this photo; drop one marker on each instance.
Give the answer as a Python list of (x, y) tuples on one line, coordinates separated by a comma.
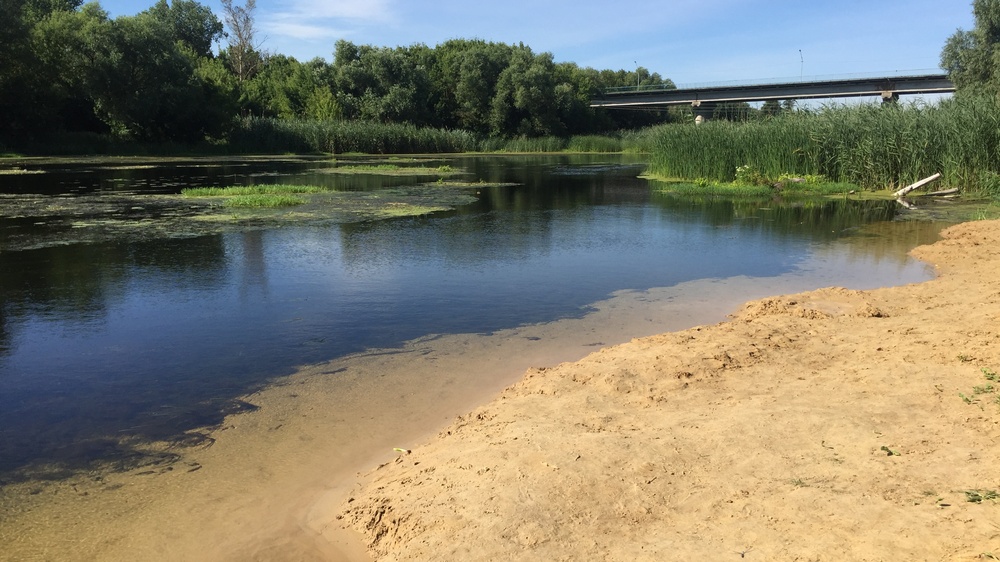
[(983, 389), (978, 496)]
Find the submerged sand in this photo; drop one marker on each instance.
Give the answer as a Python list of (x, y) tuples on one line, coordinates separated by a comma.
[(828, 425)]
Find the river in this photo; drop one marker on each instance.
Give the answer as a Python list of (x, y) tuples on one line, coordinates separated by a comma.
[(109, 345)]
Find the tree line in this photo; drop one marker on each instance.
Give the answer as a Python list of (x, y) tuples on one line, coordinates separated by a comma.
[(157, 76)]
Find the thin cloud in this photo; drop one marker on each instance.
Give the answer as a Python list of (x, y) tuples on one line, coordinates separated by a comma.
[(324, 19), (302, 31), (369, 11)]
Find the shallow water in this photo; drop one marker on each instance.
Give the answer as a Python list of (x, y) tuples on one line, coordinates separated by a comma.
[(106, 345)]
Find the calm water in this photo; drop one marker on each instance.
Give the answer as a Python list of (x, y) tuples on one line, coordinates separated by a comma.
[(147, 339)]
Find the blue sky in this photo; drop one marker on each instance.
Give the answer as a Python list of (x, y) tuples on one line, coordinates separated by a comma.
[(688, 41)]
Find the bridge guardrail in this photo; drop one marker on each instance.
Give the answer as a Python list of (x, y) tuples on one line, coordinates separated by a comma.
[(773, 81)]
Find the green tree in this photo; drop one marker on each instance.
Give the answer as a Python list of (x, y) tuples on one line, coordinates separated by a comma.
[(65, 44), (382, 84), (525, 98), (31, 89), (972, 58), (190, 23), (149, 81), (464, 75)]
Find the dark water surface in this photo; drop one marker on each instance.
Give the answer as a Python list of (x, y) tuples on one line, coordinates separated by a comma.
[(101, 343)]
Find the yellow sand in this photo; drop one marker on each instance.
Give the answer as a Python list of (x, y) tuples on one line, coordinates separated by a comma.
[(827, 425)]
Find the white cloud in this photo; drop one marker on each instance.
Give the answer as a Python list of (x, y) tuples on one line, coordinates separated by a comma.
[(371, 11), (304, 31), (325, 19), (316, 12)]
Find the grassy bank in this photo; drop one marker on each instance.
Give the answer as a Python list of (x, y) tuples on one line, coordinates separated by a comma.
[(872, 146)]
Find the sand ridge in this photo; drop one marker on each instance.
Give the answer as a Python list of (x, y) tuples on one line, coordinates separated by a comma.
[(828, 425)]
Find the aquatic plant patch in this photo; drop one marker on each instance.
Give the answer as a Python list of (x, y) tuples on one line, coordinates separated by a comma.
[(43, 221), (263, 201), (235, 190), (392, 170), (18, 171)]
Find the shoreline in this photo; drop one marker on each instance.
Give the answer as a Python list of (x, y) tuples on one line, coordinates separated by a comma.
[(831, 424), (268, 484)]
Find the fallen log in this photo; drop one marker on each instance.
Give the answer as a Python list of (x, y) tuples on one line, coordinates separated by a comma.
[(942, 193), (917, 185)]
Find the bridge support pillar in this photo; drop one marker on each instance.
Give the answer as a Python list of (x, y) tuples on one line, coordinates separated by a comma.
[(889, 96), (703, 110)]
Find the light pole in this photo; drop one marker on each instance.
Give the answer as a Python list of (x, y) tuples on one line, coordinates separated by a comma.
[(636, 75)]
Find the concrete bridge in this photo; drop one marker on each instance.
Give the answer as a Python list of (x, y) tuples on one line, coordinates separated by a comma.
[(705, 98)]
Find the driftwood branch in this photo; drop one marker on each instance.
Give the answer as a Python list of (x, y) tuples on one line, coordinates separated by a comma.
[(917, 185), (942, 193)]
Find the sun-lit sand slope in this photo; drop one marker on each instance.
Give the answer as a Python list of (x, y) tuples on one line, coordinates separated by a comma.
[(829, 425)]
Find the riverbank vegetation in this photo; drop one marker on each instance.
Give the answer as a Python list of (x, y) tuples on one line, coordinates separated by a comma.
[(160, 82), (159, 79), (876, 147)]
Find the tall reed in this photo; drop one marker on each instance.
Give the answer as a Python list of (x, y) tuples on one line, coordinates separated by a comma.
[(275, 135), (873, 146)]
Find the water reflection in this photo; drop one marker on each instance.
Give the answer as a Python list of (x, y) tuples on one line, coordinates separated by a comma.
[(103, 346)]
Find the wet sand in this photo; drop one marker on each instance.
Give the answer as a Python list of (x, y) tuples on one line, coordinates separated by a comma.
[(272, 484), (828, 425)]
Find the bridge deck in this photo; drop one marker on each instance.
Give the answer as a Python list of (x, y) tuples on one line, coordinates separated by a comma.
[(836, 88)]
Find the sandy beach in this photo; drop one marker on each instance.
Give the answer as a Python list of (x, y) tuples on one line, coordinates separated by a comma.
[(828, 425)]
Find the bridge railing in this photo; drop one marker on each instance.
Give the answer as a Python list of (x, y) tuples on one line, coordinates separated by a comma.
[(774, 81)]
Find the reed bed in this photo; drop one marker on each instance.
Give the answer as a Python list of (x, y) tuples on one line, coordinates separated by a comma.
[(579, 143), (256, 134), (594, 143), (872, 146), (533, 144)]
